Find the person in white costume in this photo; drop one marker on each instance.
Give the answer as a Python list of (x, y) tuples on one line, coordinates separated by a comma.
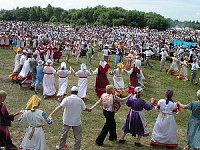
[(17, 66), (83, 74), (62, 80), (118, 79), (49, 89), (165, 130), (34, 138), (24, 76)]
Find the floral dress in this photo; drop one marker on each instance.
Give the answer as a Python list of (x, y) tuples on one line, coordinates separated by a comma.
[(193, 132)]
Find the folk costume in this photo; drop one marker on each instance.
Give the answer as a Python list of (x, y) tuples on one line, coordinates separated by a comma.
[(101, 79), (118, 79), (83, 74), (183, 72), (34, 138), (165, 130), (17, 66), (133, 78), (49, 89), (5, 137), (173, 70), (62, 80), (135, 122)]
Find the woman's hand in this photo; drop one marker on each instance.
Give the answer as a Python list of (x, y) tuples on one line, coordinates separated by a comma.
[(152, 100), (19, 113)]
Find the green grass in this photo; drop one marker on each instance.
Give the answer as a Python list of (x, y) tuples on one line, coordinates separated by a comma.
[(156, 84)]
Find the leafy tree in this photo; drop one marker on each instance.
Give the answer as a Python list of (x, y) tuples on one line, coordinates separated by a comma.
[(53, 19)]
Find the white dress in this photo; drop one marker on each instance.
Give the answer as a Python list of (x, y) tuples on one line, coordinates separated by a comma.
[(17, 63), (62, 82), (118, 80), (24, 73), (165, 130), (49, 81), (82, 82), (36, 120)]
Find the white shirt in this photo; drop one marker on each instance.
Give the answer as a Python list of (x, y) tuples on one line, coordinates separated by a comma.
[(164, 54), (195, 66), (73, 106), (105, 52)]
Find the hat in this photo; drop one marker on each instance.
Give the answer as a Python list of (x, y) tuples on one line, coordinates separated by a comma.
[(63, 65), (33, 102), (49, 62), (24, 51), (74, 88), (162, 49), (40, 62), (106, 45)]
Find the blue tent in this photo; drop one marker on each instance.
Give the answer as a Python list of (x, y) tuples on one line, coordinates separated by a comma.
[(181, 42)]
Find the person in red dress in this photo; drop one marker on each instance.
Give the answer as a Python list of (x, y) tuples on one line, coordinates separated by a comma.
[(5, 138), (101, 79)]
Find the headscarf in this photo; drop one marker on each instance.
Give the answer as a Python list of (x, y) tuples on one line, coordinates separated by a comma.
[(33, 102), (102, 63), (63, 65), (83, 66), (138, 90), (120, 66), (169, 94)]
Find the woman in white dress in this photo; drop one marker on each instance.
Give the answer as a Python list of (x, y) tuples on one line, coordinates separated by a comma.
[(49, 89), (165, 130), (62, 80), (34, 138), (173, 70), (24, 76), (82, 81), (17, 65), (184, 71), (118, 79)]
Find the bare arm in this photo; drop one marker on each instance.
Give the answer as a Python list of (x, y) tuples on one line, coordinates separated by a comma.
[(123, 99), (96, 104), (54, 111), (182, 106)]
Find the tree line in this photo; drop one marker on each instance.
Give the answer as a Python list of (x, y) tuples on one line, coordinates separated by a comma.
[(99, 15)]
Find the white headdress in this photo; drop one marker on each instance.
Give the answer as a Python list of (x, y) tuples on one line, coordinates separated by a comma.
[(83, 66), (63, 65), (102, 63)]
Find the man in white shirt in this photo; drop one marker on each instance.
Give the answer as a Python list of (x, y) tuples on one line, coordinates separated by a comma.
[(106, 52), (164, 55), (194, 69), (68, 51), (73, 107), (148, 54)]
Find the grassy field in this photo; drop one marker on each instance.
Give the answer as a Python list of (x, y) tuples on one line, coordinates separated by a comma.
[(156, 84)]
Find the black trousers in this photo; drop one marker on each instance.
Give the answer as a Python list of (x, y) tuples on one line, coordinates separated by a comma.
[(109, 126)]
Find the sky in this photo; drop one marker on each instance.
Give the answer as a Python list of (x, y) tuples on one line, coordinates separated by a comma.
[(183, 10)]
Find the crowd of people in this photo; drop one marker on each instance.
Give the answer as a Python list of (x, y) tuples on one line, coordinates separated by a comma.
[(38, 46)]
